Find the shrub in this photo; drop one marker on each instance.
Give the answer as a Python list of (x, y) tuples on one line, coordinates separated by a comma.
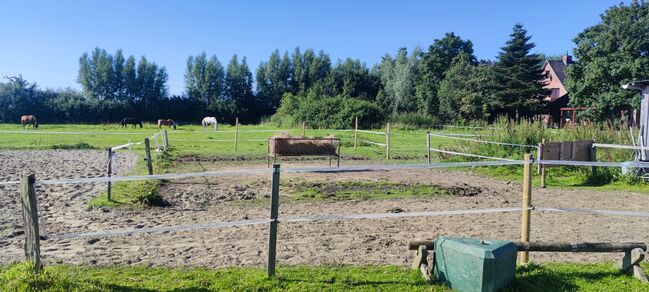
[(328, 112)]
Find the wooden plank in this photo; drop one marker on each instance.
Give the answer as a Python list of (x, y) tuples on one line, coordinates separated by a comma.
[(556, 246), (421, 257), (579, 246), (30, 220), (274, 210), (582, 150), (523, 257), (639, 273), (631, 258)]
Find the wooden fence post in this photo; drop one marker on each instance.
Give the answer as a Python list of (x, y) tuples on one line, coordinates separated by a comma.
[(30, 218), (541, 167), (523, 257), (593, 158), (274, 209), (387, 141), (110, 171), (236, 133), (356, 134), (147, 149), (166, 139), (428, 146), (303, 129)]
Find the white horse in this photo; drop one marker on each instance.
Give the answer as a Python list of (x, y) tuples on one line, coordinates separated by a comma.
[(207, 121)]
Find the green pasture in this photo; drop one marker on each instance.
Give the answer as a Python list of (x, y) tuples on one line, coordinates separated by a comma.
[(195, 140), (548, 277), (407, 146)]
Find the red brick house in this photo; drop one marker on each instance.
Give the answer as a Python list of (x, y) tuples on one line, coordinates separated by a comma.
[(555, 82)]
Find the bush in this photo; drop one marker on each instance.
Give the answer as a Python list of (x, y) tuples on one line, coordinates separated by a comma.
[(328, 112)]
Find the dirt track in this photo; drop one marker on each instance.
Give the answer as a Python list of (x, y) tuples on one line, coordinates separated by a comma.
[(380, 242)]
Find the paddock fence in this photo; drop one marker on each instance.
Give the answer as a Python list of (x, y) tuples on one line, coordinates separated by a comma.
[(31, 213)]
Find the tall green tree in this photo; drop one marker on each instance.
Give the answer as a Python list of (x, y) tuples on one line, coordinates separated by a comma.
[(130, 79), (204, 79), (611, 53), (434, 64), (466, 90), (96, 74), (352, 78), (106, 77), (118, 84), (398, 77), (238, 90), (272, 82), (520, 77), (17, 97)]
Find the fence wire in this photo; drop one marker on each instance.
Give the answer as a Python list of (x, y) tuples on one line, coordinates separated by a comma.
[(340, 217)]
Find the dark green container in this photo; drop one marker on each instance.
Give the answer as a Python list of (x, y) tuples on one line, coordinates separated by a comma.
[(468, 264)]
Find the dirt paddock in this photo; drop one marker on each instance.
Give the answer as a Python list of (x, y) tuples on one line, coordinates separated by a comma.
[(65, 210)]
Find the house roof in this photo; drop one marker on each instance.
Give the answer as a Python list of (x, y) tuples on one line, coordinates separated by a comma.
[(558, 66)]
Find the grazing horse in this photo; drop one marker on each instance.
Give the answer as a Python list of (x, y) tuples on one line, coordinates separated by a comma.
[(29, 120), (207, 121), (130, 121), (167, 122)]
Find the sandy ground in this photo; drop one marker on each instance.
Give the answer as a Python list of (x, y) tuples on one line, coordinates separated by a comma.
[(379, 241)]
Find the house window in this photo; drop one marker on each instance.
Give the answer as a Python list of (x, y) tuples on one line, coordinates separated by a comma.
[(547, 73), (555, 94)]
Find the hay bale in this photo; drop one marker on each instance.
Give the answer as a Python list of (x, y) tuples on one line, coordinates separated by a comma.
[(287, 145)]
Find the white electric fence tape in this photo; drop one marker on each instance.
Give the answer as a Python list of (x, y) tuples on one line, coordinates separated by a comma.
[(312, 218), (373, 143), (484, 141), (470, 155), (619, 146), (372, 132)]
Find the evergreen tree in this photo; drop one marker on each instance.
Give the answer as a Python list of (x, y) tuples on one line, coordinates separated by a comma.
[(520, 77), (610, 53)]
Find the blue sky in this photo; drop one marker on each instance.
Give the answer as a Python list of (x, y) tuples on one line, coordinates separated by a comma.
[(42, 40)]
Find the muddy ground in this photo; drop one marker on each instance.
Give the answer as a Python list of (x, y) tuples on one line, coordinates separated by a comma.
[(363, 241)]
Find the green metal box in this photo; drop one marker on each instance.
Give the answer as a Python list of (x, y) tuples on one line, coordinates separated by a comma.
[(468, 264)]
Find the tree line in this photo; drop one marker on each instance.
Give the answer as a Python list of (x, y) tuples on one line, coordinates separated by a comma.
[(444, 83)]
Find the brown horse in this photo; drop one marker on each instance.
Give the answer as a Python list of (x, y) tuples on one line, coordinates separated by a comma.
[(167, 122), (29, 120)]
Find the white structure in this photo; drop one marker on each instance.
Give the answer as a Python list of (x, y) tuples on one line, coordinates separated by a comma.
[(643, 135)]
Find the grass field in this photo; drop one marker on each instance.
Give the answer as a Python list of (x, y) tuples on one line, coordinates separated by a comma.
[(550, 277), (193, 139), (408, 146)]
